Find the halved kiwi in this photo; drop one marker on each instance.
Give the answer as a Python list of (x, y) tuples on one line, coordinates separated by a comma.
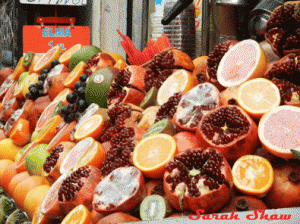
[(153, 207), (150, 98), (28, 58), (163, 126)]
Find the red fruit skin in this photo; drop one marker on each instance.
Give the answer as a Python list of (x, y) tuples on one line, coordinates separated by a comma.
[(244, 145), (104, 60), (185, 140), (137, 76), (9, 108), (284, 193), (209, 202), (4, 73), (85, 195), (118, 217), (134, 96), (252, 202)]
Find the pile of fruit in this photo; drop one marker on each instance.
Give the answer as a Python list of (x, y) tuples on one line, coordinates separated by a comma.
[(86, 138)]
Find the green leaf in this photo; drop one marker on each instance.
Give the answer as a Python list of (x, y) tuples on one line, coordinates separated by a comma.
[(296, 153)]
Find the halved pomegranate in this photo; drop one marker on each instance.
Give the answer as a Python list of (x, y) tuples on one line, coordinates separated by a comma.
[(54, 160), (97, 62), (196, 103), (122, 134), (229, 129), (214, 59), (128, 86), (163, 65), (78, 188), (121, 191), (283, 28), (198, 179)]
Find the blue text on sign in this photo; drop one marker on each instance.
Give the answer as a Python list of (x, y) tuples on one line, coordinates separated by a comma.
[(58, 32)]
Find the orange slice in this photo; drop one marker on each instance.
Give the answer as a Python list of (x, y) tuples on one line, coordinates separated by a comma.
[(20, 68), (29, 80), (74, 75), (92, 156), (179, 81), (79, 215), (62, 96), (152, 154), (47, 58), (49, 130), (92, 127), (20, 134), (258, 96), (120, 64), (65, 57), (279, 131), (35, 59), (244, 61), (252, 175)]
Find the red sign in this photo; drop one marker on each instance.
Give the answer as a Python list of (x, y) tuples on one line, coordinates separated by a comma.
[(40, 40)]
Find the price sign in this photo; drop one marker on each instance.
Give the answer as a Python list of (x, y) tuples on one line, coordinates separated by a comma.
[(55, 2), (40, 40)]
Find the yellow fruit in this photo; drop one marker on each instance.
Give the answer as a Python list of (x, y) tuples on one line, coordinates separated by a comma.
[(116, 56), (29, 80), (8, 150)]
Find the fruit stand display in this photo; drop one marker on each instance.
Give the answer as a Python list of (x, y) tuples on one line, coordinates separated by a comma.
[(88, 138)]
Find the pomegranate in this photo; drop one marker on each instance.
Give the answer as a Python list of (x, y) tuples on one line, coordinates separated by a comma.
[(163, 65), (285, 191), (78, 188), (122, 135), (128, 86), (8, 108), (196, 103), (283, 28), (54, 160), (198, 179), (118, 217), (50, 205), (185, 141), (97, 62), (4, 74), (121, 191), (5, 86), (200, 68), (214, 59), (168, 109), (229, 129), (244, 203)]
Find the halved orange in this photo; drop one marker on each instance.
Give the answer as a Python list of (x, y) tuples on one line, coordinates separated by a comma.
[(180, 81), (244, 61), (47, 58), (252, 175), (79, 215), (20, 68), (120, 64), (258, 96), (49, 130), (3, 164), (20, 134), (92, 156), (74, 75), (65, 57), (62, 96), (92, 127), (152, 154), (116, 56)]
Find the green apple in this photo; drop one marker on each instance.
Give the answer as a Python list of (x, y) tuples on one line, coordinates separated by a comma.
[(36, 158)]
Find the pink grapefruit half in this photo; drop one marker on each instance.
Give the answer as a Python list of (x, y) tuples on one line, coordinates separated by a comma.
[(279, 131), (244, 61), (46, 115)]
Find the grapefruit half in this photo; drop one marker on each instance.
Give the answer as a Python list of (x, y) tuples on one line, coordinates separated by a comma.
[(279, 131), (244, 61)]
